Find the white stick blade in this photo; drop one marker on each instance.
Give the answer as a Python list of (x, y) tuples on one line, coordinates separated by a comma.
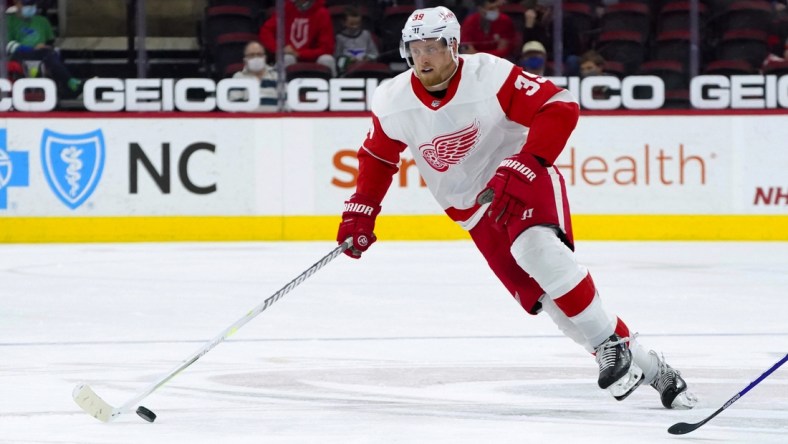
[(92, 403)]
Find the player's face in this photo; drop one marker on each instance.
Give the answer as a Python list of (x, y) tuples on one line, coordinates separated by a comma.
[(432, 61)]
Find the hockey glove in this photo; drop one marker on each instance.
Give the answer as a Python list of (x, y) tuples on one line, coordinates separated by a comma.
[(358, 222), (510, 186)]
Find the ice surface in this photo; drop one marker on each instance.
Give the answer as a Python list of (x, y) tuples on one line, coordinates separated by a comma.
[(415, 343)]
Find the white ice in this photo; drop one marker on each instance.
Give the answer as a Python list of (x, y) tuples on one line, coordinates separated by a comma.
[(415, 343)]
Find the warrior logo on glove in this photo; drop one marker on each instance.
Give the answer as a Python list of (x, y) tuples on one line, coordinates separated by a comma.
[(358, 223), (520, 168), (359, 208)]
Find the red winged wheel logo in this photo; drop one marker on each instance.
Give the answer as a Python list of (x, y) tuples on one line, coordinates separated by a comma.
[(450, 149)]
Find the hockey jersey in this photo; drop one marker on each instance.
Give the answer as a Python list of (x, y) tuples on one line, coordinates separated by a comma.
[(458, 141)]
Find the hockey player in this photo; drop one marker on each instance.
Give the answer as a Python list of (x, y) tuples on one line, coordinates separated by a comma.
[(484, 135)]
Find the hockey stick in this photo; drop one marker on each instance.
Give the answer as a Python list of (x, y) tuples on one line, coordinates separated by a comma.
[(682, 428), (96, 407)]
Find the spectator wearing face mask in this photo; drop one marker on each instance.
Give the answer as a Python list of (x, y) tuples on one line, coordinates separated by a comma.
[(354, 44), (309, 34), (533, 57), (30, 38), (255, 67), (488, 30)]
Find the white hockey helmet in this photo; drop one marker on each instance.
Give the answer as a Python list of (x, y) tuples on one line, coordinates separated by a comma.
[(429, 23)]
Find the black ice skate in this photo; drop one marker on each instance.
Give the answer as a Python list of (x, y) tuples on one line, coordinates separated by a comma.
[(617, 372), (671, 387)]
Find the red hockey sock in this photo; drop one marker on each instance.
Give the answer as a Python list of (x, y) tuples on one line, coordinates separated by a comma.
[(577, 299)]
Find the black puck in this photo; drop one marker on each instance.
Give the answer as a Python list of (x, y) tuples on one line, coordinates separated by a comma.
[(146, 414)]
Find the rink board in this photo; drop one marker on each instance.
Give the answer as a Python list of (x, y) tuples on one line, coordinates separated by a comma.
[(300, 228), (152, 177)]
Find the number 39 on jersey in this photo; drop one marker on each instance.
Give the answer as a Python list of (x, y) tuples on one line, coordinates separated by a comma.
[(528, 83)]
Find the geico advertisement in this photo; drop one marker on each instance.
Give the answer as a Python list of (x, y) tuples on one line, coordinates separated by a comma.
[(309, 94), (52, 167), (613, 165)]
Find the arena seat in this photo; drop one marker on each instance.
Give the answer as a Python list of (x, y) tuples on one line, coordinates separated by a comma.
[(307, 70), (625, 47), (744, 44), (672, 73), (369, 70)]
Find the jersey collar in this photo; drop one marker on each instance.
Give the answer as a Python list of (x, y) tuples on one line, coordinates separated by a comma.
[(428, 99)]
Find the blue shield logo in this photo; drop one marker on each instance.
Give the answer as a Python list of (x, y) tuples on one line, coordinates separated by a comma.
[(72, 164), (14, 171), (6, 169)]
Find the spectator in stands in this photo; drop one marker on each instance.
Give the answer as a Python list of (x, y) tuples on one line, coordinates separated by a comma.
[(592, 64), (30, 38), (531, 21), (538, 25), (533, 57), (256, 67), (309, 33), (354, 44), (488, 30)]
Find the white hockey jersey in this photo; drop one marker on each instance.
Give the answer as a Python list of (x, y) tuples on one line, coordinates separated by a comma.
[(459, 140)]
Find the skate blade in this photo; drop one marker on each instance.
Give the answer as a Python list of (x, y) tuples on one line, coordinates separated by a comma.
[(684, 401), (627, 383)]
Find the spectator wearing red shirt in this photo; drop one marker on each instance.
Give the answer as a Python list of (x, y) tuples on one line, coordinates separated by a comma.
[(309, 33), (488, 30)]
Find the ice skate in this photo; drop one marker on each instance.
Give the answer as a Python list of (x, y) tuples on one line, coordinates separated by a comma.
[(671, 387), (617, 372)]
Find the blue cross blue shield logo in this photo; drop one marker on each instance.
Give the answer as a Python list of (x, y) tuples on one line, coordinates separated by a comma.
[(72, 164), (14, 169)]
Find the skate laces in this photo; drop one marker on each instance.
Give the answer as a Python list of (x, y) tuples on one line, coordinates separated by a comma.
[(671, 387), (606, 352), (666, 375)]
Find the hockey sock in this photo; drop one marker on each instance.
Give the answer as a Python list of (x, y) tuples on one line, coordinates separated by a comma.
[(540, 252), (648, 362), (583, 307)]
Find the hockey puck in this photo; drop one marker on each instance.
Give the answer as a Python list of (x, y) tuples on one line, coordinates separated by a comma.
[(146, 414)]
